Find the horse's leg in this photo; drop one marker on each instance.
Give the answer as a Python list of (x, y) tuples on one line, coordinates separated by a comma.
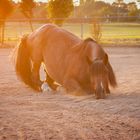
[(50, 82), (99, 91), (73, 87), (35, 75), (105, 85)]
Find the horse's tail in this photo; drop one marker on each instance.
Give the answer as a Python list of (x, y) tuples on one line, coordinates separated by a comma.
[(23, 62), (111, 76)]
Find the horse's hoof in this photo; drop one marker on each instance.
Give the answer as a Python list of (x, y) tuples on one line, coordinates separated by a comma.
[(38, 89), (107, 91), (45, 87), (97, 96), (103, 94), (100, 95)]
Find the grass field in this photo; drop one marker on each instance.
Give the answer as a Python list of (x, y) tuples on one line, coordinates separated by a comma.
[(111, 32)]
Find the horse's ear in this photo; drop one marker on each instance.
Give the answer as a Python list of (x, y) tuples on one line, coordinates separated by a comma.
[(105, 59)]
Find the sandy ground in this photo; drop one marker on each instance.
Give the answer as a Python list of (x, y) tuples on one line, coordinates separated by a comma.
[(26, 115)]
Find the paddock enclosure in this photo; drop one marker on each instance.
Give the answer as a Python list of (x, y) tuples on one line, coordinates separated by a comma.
[(112, 33), (25, 114)]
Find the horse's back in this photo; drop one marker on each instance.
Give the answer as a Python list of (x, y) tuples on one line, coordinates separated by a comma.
[(53, 44), (56, 52)]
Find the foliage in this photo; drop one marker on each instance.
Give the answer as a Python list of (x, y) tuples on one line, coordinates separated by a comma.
[(81, 2), (6, 9), (95, 8), (96, 31), (92, 8), (27, 9), (58, 9)]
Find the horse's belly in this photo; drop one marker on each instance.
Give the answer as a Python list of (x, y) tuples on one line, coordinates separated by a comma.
[(55, 65)]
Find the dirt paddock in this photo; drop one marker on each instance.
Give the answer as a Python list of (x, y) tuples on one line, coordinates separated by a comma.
[(26, 115)]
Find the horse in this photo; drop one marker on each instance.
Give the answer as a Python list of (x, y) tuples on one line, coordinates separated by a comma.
[(75, 64)]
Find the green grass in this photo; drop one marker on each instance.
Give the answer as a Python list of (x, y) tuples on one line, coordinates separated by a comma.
[(111, 32), (126, 31)]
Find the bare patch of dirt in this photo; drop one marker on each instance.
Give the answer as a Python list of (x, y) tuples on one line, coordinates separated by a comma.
[(26, 115)]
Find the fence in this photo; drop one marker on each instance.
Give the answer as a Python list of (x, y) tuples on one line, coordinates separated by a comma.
[(112, 32)]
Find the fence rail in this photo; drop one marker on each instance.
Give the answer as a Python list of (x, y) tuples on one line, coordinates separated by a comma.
[(82, 19), (78, 19), (112, 32)]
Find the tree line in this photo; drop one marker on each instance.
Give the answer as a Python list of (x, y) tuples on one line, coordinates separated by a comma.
[(92, 8)]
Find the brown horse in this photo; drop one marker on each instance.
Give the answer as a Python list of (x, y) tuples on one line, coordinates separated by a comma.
[(78, 65)]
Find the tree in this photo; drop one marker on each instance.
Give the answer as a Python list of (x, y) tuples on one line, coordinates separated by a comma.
[(27, 9), (101, 9), (81, 2), (6, 9), (132, 6), (59, 10), (92, 8), (96, 31), (119, 1), (133, 11)]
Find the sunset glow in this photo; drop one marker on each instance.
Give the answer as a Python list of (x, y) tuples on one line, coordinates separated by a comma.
[(69, 69)]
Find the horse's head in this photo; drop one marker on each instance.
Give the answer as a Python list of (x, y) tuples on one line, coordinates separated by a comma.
[(98, 78), (97, 61)]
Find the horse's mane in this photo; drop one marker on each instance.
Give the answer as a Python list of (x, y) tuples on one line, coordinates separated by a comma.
[(89, 39), (82, 45)]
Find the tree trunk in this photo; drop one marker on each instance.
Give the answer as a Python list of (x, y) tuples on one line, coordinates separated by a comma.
[(0, 32), (3, 31), (31, 26)]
